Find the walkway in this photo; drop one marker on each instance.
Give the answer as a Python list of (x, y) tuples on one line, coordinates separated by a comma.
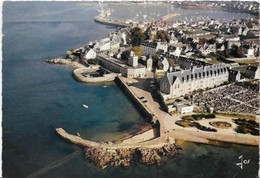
[(170, 129)]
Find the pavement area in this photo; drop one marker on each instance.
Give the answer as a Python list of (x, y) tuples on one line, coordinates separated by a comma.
[(142, 89)]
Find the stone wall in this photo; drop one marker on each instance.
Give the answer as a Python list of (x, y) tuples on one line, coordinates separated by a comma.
[(77, 73), (147, 114)]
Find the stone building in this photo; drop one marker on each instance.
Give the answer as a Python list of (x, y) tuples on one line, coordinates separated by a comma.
[(149, 64), (187, 63), (176, 84), (89, 54), (253, 72), (150, 48), (133, 60), (118, 66), (234, 75)]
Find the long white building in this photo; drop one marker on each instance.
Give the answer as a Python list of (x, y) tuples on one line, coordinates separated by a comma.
[(183, 82), (130, 69)]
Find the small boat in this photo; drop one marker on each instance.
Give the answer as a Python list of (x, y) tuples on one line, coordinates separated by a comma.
[(85, 106), (104, 86), (78, 134)]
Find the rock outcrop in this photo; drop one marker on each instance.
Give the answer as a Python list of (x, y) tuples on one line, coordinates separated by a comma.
[(102, 157), (58, 61)]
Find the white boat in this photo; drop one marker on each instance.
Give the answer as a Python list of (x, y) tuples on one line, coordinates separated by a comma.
[(105, 86), (85, 106), (78, 134)]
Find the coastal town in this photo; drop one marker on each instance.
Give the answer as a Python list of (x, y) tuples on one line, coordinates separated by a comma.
[(193, 80)]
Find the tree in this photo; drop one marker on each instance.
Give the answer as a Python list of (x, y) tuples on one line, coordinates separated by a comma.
[(212, 41), (162, 35), (237, 51), (137, 36), (249, 24), (147, 33), (202, 40), (171, 62), (125, 55), (138, 51), (155, 60), (159, 64)]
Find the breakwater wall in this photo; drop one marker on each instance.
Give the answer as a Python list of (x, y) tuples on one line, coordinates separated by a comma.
[(103, 20), (78, 75), (169, 16), (109, 154), (140, 106)]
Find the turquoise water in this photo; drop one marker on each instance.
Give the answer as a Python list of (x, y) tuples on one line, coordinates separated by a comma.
[(39, 97)]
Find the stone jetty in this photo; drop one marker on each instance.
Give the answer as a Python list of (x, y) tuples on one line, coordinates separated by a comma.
[(79, 75), (101, 18), (111, 154), (169, 16)]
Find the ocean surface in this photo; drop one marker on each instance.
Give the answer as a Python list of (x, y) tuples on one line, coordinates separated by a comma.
[(156, 11), (39, 97)]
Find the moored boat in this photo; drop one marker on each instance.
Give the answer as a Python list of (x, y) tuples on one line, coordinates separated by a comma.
[(85, 106)]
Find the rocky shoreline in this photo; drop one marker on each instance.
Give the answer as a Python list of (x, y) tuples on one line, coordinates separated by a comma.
[(68, 62), (102, 157), (57, 61)]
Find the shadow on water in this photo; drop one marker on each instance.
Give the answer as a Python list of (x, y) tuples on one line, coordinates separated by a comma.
[(126, 125)]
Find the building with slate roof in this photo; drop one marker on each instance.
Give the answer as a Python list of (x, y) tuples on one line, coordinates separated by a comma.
[(234, 75), (187, 63), (253, 72), (130, 70), (176, 84)]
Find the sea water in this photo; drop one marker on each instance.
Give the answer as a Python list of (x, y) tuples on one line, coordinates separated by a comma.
[(39, 97)]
